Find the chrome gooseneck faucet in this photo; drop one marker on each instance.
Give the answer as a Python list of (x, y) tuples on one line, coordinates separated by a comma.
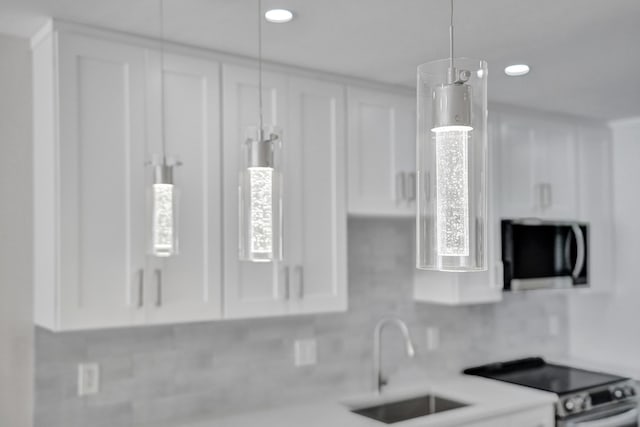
[(379, 380)]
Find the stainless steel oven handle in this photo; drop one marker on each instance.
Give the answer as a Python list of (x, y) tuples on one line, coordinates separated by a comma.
[(580, 244), (622, 419)]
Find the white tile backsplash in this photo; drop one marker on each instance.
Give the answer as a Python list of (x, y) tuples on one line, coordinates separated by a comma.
[(167, 375)]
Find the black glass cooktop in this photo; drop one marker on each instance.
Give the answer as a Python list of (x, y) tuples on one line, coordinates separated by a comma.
[(536, 373)]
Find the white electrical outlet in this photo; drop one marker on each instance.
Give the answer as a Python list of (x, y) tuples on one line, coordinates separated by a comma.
[(305, 352), (433, 338), (554, 325), (88, 379)]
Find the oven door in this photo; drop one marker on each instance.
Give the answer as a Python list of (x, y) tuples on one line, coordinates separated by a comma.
[(619, 416)]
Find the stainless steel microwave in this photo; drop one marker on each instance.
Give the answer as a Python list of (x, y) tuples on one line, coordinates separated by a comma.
[(540, 254)]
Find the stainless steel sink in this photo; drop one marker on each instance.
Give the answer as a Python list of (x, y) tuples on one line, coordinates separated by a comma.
[(401, 410)]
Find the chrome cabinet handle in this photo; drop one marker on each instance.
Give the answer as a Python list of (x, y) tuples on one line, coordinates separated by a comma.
[(545, 195), (538, 190), (401, 187), (158, 274), (140, 288), (427, 186), (412, 186), (287, 287), (300, 273)]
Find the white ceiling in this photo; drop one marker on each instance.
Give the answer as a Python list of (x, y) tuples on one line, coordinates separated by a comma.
[(584, 54)]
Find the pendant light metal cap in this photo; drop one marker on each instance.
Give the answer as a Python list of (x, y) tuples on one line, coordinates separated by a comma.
[(452, 106), (261, 146), (260, 153), (163, 174)]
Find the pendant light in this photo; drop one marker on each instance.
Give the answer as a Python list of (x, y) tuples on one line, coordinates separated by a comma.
[(451, 218), (260, 184), (163, 197)]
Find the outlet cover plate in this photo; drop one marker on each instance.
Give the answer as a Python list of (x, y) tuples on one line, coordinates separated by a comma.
[(305, 352), (88, 379)]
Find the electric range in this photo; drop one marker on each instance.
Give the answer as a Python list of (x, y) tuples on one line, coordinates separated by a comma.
[(584, 397)]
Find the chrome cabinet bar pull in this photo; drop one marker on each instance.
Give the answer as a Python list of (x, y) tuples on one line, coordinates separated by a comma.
[(427, 186), (140, 288), (300, 273), (412, 187), (401, 191), (158, 274), (287, 288), (545, 195), (538, 190)]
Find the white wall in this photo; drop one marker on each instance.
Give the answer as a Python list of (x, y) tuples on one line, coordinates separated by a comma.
[(16, 328), (606, 329)]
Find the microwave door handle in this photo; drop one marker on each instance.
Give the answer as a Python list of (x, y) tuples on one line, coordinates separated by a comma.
[(567, 250), (580, 256)]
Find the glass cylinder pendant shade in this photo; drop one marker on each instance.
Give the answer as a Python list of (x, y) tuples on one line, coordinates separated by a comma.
[(260, 196), (163, 207), (452, 166)]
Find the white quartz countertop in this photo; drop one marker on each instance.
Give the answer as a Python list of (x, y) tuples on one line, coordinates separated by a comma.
[(486, 399)]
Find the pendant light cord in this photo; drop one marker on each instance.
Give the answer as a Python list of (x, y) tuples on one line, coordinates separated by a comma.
[(260, 65), (451, 43), (162, 100)]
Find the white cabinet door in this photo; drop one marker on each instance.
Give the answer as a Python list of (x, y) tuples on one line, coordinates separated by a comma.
[(596, 203), (492, 422), (543, 416), (381, 153), (317, 219), (250, 289), (187, 287), (538, 170), (515, 143), (101, 182), (556, 170)]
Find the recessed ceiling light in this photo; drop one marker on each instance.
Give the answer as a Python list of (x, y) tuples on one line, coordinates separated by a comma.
[(278, 16), (516, 70)]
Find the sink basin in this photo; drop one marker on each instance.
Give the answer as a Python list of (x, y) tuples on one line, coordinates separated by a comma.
[(401, 410)]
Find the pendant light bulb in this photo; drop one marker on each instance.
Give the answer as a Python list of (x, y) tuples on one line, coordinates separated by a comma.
[(164, 211), (451, 165), (260, 206)]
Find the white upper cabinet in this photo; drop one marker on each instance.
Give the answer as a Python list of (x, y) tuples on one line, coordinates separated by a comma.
[(595, 176), (251, 289), (317, 229), (381, 156), (98, 119), (187, 287), (89, 168), (559, 169), (556, 167), (538, 167), (312, 275), (99, 123)]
